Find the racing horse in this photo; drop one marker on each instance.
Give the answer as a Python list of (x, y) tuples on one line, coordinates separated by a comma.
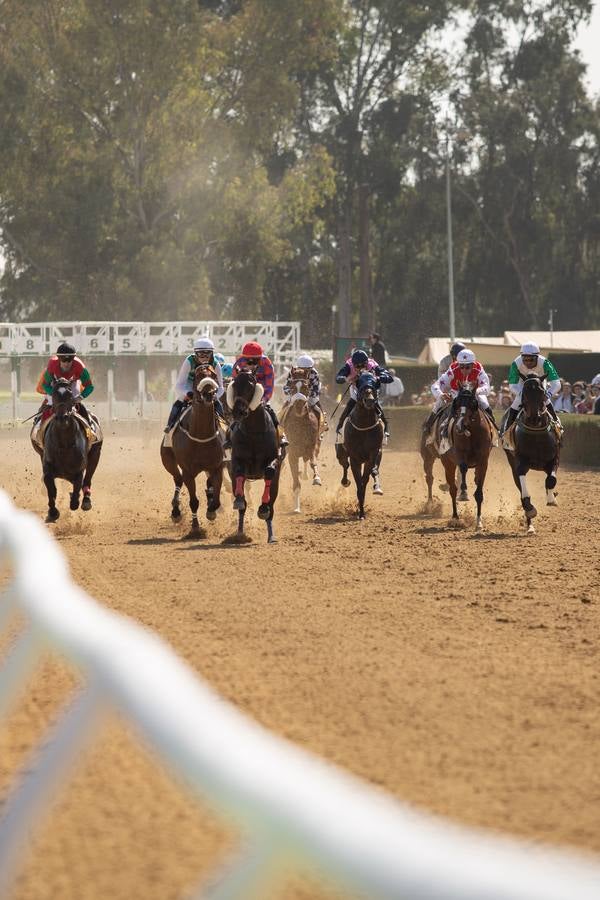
[(196, 446), (535, 445), (362, 442), (470, 446), (302, 429), (255, 451), (67, 451)]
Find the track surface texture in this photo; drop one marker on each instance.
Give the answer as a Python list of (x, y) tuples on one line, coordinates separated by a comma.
[(459, 672)]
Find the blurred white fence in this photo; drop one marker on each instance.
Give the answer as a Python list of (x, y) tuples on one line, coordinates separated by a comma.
[(293, 809)]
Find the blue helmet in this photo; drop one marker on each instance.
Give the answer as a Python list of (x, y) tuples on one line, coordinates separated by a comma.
[(226, 370), (359, 358), (220, 359)]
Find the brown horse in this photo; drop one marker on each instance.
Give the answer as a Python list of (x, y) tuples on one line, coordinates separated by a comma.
[(535, 445), (472, 441), (196, 446), (301, 424), (363, 441)]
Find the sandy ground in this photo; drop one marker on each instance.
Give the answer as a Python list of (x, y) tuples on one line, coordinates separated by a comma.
[(459, 672)]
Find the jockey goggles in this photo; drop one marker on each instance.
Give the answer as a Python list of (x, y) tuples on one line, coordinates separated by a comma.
[(465, 365), (252, 361), (529, 357), (65, 359)]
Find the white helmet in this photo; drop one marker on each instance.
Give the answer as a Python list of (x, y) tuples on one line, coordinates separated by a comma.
[(465, 357), (530, 349), (596, 380), (203, 343), (304, 361)]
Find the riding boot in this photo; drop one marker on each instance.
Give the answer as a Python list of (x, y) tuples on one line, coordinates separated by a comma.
[(347, 410), (490, 414), (426, 426), (219, 408), (81, 409), (512, 415), (174, 414)]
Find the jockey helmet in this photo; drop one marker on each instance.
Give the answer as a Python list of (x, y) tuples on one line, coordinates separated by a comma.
[(359, 358), (227, 370), (65, 349), (220, 358), (203, 343), (465, 358), (252, 350), (456, 348), (304, 361), (530, 349)]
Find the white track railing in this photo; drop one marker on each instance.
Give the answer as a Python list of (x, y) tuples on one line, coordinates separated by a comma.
[(292, 808)]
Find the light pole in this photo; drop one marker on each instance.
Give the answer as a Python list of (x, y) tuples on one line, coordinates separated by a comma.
[(551, 325), (451, 321)]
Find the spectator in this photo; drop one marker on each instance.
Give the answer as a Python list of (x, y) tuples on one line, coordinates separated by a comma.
[(394, 391), (564, 401), (378, 351), (504, 399), (595, 386)]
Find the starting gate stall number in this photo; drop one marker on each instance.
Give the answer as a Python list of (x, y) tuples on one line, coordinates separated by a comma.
[(129, 341)]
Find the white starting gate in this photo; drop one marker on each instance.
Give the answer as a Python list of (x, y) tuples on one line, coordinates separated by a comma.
[(280, 340), (292, 807)]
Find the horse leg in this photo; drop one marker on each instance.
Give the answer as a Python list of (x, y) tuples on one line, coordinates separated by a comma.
[(463, 482), (239, 499), (315, 467), (377, 489), (92, 464), (265, 510), (361, 485), (294, 469), (169, 462), (77, 482), (53, 512), (190, 483), (480, 473), (550, 484), (528, 507), (428, 460), (213, 493), (274, 491), (450, 471)]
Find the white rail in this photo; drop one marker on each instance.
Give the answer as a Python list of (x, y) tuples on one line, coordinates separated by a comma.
[(289, 805)]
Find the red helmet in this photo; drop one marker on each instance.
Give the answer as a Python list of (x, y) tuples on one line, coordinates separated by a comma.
[(252, 349)]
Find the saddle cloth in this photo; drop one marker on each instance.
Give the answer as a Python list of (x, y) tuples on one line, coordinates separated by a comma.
[(508, 438), (92, 430)]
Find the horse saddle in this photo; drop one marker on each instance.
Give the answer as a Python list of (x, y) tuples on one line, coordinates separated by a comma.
[(442, 432), (91, 429), (167, 440)]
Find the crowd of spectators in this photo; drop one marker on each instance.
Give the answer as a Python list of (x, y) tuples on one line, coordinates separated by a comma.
[(578, 397)]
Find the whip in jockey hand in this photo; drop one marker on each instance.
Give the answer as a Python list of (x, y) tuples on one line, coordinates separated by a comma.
[(530, 362), (65, 364), (303, 373), (253, 359), (464, 372), (358, 363), (203, 355)]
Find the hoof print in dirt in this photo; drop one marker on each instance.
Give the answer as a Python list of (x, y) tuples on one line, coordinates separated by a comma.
[(237, 539)]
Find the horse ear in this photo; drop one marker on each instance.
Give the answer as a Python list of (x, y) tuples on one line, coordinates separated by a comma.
[(229, 395), (258, 395)]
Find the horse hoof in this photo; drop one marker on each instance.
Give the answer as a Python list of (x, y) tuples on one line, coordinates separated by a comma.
[(239, 503), (53, 515), (211, 515), (377, 489), (264, 511), (463, 497), (296, 509), (176, 514), (86, 503), (551, 502), (444, 487), (317, 481), (346, 482), (530, 528), (272, 539), (530, 511)]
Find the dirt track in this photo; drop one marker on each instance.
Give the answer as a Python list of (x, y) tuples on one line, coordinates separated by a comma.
[(458, 671)]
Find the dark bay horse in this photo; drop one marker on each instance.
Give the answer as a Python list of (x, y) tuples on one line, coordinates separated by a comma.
[(302, 429), (472, 441), (67, 452), (255, 452), (361, 448), (197, 446), (536, 444)]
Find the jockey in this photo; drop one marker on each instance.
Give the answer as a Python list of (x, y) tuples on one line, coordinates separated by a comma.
[(203, 355), (253, 359), (465, 372), (65, 364), (354, 366), (304, 370), (530, 362)]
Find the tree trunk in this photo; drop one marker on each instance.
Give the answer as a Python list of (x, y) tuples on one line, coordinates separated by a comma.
[(345, 270), (367, 313)]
